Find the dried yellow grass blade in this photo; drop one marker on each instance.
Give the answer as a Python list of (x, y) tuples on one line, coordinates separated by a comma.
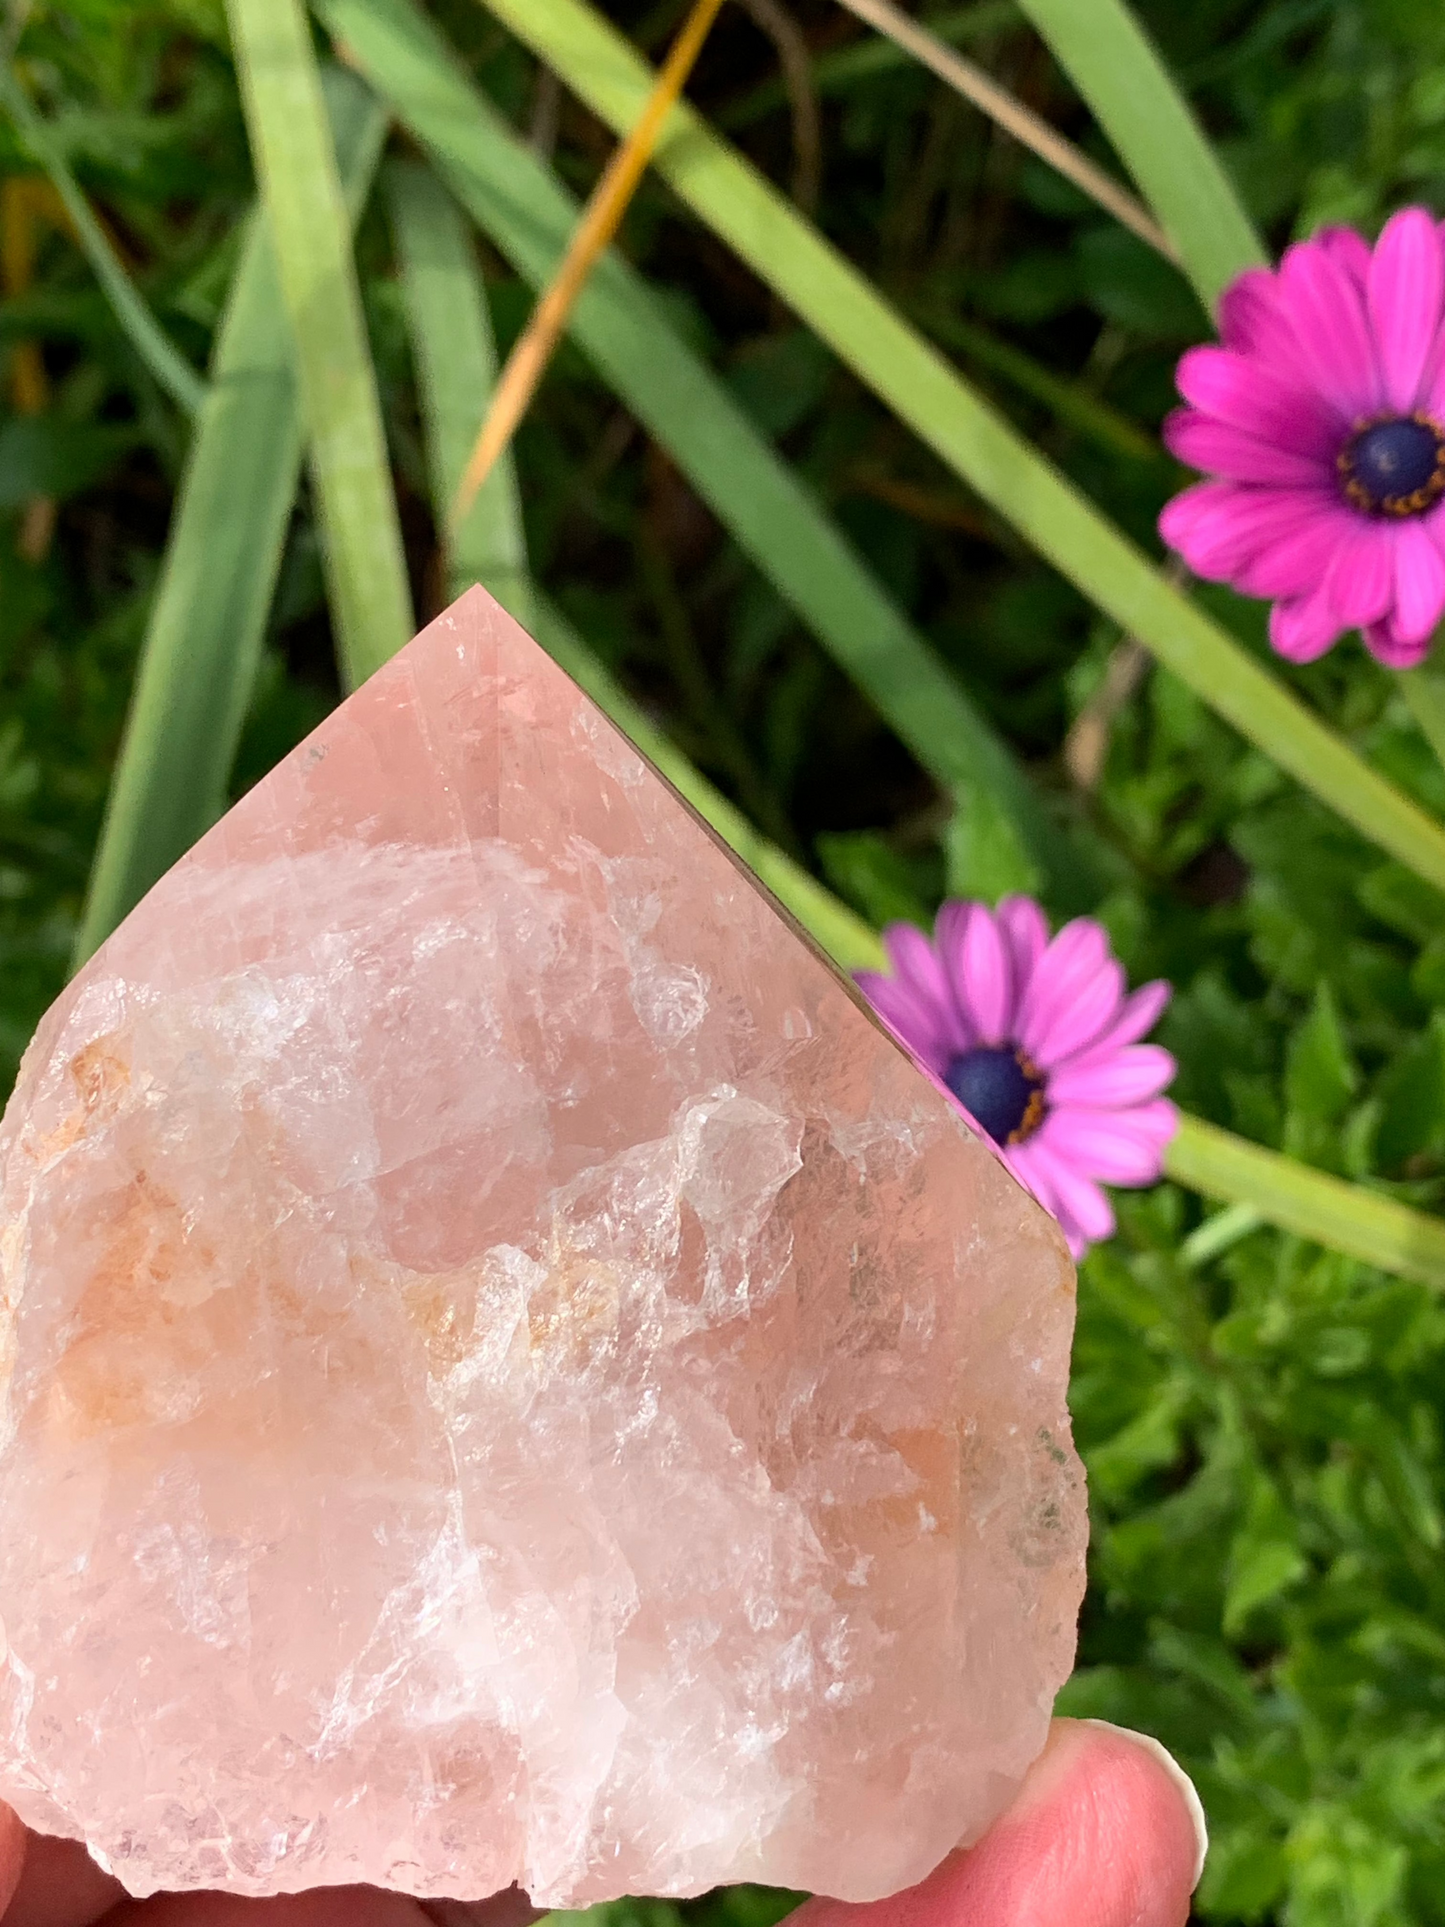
[(600, 221), (970, 80)]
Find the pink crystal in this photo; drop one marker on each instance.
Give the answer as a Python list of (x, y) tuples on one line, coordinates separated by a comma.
[(510, 1375)]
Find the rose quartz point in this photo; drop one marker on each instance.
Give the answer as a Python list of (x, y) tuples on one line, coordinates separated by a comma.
[(509, 1374)]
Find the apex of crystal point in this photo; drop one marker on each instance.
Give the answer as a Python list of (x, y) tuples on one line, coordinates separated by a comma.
[(509, 1374)]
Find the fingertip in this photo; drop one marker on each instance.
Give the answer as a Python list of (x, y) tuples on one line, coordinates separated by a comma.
[(12, 1854), (59, 1886), (1102, 1834), (1183, 1785)]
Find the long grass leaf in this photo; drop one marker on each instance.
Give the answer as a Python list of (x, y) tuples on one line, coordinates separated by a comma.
[(1107, 55), (296, 163), (455, 355), (1312, 1204), (529, 216), (207, 622), (944, 411), (145, 334)]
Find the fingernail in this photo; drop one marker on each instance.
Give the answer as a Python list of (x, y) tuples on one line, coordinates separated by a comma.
[(1180, 1778)]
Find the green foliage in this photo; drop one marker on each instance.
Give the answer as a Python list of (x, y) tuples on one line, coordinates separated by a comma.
[(829, 622)]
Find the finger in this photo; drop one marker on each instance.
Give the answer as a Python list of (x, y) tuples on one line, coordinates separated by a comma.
[(323, 1907), (510, 1908), (60, 1886), (1106, 1832), (12, 1854)]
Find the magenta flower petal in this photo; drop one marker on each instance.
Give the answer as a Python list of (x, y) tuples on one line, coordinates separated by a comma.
[(1223, 450), (1419, 584), (1385, 646), (1406, 286), (1328, 311), (985, 978), (1122, 1076), (1139, 1013), (1360, 582), (1219, 527), (1109, 1145), (916, 962), (1076, 1023), (1304, 627), (1077, 954), (1075, 991), (909, 1016), (950, 927), (1253, 321), (1347, 250), (1236, 390), (1036, 1176), (1083, 1212), (1026, 932), (1299, 560)]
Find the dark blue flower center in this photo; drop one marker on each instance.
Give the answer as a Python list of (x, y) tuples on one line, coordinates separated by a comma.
[(1001, 1088), (1394, 467)]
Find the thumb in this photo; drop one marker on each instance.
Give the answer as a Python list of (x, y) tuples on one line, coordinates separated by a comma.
[(1106, 1832)]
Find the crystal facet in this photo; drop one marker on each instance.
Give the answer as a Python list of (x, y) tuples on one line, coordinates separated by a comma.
[(508, 1373)]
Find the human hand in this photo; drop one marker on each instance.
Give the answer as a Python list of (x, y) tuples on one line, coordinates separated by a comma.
[(1103, 1833)]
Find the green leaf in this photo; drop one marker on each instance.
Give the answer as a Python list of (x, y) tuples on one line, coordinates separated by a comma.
[(44, 455), (1399, 899), (1108, 57), (984, 855), (296, 163), (203, 641), (155, 348), (1407, 1481), (1320, 1076), (1412, 1094), (625, 332), (843, 308), (1264, 1559), (455, 353)]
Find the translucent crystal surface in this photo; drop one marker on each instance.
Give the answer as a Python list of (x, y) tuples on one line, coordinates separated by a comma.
[(509, 1374)]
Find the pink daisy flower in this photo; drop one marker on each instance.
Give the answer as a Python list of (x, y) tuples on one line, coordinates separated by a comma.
[(1037, 1042), (1323, 418)]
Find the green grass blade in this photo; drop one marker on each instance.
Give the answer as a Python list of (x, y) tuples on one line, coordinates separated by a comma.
[(207, 622), (945, 412), (1310, 1203), (1109, 58), (145, 334), (296, 165), (771, 515), (455, 354)]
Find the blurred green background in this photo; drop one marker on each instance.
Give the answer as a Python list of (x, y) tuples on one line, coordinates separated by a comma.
[(1262, 1420)]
